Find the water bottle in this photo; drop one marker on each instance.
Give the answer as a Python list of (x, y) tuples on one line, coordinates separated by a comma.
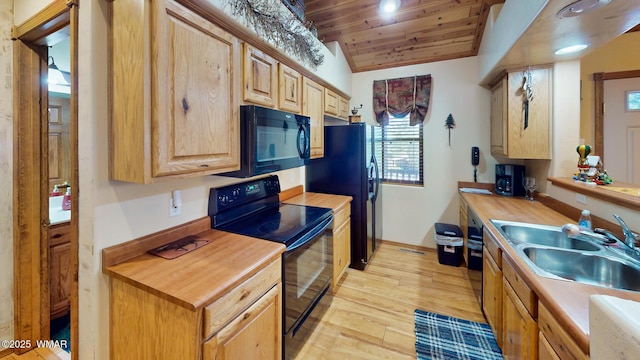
[(585, 219)]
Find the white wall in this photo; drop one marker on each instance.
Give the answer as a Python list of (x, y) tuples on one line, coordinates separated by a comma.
[(409, 212), (6, 172)]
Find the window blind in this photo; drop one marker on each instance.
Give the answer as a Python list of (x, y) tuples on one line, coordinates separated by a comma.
[(399, 148)]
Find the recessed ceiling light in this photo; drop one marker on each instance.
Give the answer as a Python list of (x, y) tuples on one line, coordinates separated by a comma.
[(389, 6), (581, 7), (571, 49)]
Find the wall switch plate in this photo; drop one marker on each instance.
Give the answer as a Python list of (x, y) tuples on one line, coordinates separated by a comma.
[(581, 198)]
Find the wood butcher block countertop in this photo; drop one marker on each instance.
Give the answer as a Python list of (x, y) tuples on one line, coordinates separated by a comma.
[(568, 301), (199, 277), (334, 202)]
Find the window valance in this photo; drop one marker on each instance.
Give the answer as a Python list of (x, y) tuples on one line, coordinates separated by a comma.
[(402, 96)]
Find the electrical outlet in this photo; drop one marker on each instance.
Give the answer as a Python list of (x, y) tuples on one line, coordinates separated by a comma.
[(174, 210), (175, 203), (581, 198)]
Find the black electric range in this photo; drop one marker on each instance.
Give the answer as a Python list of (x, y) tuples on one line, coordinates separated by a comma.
[(253, 209)]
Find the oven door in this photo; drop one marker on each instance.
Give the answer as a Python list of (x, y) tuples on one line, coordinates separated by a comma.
[(307, 271)]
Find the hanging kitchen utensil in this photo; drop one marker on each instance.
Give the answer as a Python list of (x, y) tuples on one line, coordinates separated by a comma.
[(527, 96)]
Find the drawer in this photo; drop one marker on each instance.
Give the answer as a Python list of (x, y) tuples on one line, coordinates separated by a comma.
[(526, 295), (341, 216), (59, 234), (230, 305), (492, 248)]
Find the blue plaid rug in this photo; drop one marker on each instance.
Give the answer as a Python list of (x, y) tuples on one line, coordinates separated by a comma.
[(443, 337)]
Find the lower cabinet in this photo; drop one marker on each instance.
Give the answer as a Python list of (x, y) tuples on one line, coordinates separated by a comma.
[(492, 294), (554, 340), (341, 244), (244, 323), (59, 270), (253, 334), (519, 326)]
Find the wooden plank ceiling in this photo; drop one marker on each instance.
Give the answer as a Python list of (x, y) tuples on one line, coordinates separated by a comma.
[(420, 31)]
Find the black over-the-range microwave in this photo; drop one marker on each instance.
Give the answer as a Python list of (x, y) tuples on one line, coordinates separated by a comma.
[(271, 140)]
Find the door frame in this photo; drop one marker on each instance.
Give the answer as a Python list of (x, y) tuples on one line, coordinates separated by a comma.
[(599, 79), (30, 176)]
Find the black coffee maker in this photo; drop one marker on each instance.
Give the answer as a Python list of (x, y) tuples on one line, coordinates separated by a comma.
[(509, 180)]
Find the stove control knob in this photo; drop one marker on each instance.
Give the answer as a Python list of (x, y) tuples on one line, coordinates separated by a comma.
[(223, 199), (235, 192)]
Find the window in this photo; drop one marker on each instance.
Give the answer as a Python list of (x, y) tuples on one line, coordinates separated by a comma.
[(399, 151), (633, 100)]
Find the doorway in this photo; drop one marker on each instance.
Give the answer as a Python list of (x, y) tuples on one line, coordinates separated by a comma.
[(35, 232), (599, 100), (622, 129)]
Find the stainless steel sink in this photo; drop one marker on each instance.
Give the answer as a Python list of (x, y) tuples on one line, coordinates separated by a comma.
[(586, 268), (518, 233), (584, 259)]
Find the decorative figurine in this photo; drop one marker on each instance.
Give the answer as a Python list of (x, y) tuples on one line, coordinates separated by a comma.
[(590, 167)]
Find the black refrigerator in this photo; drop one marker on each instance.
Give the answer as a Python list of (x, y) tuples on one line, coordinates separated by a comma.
[(349, 167)]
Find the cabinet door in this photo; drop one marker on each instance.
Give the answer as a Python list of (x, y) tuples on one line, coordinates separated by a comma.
[(254, 334), (312, 106), (499, 123), (260, 77), (330, 102), (341, 252), (532, 142), (59, 145), (520, 331), (343, 108), (60, 279), (492, 294), (289, 89), (197, 107), (545, 351)]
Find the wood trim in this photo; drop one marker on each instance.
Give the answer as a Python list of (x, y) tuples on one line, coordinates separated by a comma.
[(120, 253), (30, 222), (210, 12), (408, 246), (599, 192), (74, 18), (40, 26), (291, 192), (598, 104)]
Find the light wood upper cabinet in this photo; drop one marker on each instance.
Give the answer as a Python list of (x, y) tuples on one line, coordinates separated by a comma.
[(289, 89), (513, 134), (331, 102), (312, 106), (499, 111), (172, 115), (343, 108), (260, 77)]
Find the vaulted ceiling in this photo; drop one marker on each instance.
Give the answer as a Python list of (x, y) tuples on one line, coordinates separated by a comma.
[(420, 31)]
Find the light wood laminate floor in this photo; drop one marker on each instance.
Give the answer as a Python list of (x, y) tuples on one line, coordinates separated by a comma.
[(371, 316), (41, 354)]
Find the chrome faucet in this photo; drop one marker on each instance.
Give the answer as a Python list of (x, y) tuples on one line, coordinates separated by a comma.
[(629, 236)]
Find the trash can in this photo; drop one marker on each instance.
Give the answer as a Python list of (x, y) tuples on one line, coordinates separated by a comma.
[(475, 254), (449, 241)]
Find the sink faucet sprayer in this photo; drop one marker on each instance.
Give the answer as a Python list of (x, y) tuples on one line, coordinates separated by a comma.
[(629, 236), (606, 236)]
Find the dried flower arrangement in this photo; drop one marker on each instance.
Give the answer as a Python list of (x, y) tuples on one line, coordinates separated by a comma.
[(284, 31)]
